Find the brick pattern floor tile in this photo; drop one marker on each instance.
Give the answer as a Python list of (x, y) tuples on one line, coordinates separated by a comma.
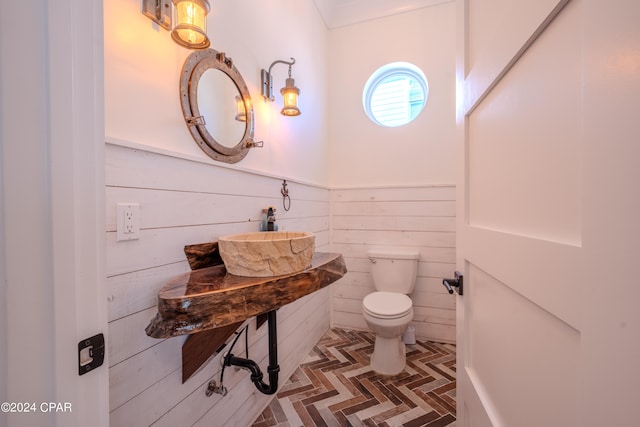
[(334, 386)]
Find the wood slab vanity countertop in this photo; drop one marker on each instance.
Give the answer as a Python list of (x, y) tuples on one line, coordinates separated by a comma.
[(210, 298)]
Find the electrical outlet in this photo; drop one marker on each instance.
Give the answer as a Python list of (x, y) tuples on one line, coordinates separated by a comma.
[(127, 221)]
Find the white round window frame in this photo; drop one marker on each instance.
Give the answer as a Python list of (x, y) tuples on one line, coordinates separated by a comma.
[(393, 68)]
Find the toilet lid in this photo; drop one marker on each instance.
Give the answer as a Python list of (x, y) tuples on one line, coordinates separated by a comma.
[(387, 305)]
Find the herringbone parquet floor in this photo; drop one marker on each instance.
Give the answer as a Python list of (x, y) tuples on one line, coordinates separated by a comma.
[(334, 386)]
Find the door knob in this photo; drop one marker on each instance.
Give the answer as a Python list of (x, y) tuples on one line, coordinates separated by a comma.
[(454, 283)]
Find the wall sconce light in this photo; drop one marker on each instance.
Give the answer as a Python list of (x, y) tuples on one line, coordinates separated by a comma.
[(189, 20), (241, 111), (159, 11), (190, 27), (289, 92)]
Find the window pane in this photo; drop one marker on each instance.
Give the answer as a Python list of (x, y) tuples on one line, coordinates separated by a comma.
[(394, 95)]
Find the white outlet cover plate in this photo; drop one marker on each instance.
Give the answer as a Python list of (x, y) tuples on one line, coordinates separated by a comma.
[(127, 221)]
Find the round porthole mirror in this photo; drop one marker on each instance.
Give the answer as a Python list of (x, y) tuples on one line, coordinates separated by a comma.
[(216, 105), (395, 94)]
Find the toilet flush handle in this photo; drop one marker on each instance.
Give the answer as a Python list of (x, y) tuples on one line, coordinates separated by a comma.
[(373, 261)]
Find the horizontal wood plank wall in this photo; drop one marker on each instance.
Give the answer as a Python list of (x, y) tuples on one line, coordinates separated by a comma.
[(421, 218), (186, 202)]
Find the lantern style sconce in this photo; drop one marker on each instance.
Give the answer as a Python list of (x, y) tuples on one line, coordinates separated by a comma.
[(241, 111), (289, 92), (189, 20), (190, 23)]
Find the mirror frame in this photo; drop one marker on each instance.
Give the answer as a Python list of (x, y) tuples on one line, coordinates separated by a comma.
[(196, 64)]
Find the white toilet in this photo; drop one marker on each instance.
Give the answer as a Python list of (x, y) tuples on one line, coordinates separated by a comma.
[(389, 310)]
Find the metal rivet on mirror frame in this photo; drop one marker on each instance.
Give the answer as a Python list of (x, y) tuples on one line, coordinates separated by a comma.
[(286, 200)]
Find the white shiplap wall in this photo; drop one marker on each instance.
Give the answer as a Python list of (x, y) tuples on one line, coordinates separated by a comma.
[(420, 217), (184, 201)]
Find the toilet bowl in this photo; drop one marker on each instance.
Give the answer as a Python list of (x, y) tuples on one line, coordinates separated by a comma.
[(389, 310), (387, 314)]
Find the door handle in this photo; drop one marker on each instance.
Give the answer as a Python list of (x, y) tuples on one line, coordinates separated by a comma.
[(454, 283)]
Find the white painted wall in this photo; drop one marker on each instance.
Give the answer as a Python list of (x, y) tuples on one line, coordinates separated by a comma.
[(363, 153), (417, 218), (142, 68), (394, 187)]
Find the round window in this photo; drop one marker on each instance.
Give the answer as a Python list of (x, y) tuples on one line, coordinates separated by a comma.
[(395, 94)]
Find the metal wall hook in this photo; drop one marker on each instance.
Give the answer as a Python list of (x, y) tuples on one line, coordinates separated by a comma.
[(286, 200)]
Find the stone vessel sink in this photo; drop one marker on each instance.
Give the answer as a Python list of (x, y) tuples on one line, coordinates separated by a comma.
[(266, 254)]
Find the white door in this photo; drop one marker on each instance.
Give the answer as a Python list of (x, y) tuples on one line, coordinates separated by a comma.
[(549, 212), (52, 292)]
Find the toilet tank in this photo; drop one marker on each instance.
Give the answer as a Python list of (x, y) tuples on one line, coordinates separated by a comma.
[(394, 270)]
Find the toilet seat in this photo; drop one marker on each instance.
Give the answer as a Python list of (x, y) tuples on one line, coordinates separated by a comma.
[(387, 305)]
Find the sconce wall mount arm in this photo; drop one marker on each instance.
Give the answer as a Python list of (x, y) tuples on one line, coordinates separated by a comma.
[(159, 11), (267, 78)]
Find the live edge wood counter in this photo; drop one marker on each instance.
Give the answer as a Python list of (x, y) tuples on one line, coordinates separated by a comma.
[(209, 298)]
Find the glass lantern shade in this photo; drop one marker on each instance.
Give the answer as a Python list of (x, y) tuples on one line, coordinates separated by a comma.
[(241, 112), (190, 23), (290, 98)]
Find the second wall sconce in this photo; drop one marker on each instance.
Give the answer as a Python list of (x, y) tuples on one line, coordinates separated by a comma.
[(189, 26), (289, 92)]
